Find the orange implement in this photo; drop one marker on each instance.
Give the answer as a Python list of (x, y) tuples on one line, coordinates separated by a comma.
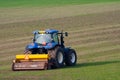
[(30, 62)]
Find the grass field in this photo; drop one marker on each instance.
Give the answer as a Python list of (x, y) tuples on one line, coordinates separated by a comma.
[(44, 3), (94, 32)]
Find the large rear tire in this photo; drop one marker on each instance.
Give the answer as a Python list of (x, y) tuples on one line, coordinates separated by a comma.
[(71, 58), (59, 59)]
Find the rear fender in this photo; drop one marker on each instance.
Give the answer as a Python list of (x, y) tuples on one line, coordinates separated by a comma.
[(66, 50)]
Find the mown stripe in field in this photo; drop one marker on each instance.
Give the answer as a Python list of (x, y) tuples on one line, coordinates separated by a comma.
[(94, 33), (114, 53), (83, 59), (24, 14), (10, 50), (94, 38), (105, 57), (73, 33), (78, 23), (15, 40), (14, 44), (112, 41), (93, 28), (99, 50)]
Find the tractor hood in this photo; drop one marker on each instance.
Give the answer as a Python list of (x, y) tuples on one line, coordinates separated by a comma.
[(36, 45)]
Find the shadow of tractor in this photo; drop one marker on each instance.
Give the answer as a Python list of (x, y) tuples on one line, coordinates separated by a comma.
[(95, 63), (78, 65)]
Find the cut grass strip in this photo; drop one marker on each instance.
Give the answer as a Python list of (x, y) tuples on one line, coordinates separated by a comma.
[(99, 53), (95, 32), (24, 14), (94, 38)]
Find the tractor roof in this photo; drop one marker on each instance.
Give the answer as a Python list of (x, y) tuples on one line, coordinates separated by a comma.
[(48, 31)]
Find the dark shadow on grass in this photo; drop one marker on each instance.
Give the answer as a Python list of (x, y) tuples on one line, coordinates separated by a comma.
[(93, 64)]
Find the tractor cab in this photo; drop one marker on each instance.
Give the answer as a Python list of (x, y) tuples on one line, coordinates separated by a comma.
[(45, 40), (45, 37)]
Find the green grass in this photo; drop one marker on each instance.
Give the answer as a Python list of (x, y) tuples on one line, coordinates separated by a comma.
[(45, 3), (105, 70)]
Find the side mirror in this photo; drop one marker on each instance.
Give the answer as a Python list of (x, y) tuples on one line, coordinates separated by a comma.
[(66, 34)]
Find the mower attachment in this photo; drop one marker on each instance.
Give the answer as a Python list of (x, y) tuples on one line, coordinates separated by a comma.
[(30, 62)]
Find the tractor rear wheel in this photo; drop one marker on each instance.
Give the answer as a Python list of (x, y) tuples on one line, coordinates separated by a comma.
[(71, 58), (59, 59)]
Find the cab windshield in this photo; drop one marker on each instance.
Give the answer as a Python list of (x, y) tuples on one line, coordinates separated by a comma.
[(41, 38)]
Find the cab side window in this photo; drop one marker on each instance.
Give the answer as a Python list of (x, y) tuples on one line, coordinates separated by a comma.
[(55, 37)]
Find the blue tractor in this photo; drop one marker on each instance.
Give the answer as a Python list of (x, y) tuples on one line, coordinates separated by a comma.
[(49, 42)]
